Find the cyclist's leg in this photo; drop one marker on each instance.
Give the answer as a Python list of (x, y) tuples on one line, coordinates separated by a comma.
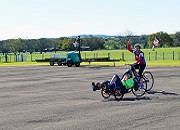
[(118, 80), (109, 87), (112, 87), (122, 88), (118, 84), (141, 69), (115, 79), (114, 82), (136, 66), (106, 82), (136, 84)]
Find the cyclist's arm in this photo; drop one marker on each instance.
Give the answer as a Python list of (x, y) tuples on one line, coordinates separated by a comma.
[(129, 47)]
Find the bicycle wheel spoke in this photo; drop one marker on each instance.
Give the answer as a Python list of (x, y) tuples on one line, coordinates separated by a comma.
[(104, 92), (141, 91), (149, 80)]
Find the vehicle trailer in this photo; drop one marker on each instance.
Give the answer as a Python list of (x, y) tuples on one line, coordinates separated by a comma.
[(59, 61), (70, 59)]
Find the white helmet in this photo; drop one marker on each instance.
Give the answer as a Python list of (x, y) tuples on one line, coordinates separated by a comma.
[(137, 45)]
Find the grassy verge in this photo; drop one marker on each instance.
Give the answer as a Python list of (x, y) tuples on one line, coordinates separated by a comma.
[(121, 63), (23, 64), (164, 63)]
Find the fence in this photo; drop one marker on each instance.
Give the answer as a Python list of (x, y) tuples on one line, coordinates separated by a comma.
[(23, 57), (113, 55), (126, 56)]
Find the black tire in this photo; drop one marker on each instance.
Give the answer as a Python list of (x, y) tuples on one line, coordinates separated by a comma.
[(140, 92), (149, 80), (69, 63), (77, 64), (51, 63), (104, 92), (59, 63), (117, 94)]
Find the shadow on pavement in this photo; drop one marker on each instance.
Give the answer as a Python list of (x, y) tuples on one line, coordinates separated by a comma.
[(162, 92), (135, 98), (143, 97), (128, 99)]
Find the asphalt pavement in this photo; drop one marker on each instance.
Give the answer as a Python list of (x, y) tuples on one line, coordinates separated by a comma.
[(61, 98)]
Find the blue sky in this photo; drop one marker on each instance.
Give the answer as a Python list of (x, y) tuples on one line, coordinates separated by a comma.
[(57, 18)]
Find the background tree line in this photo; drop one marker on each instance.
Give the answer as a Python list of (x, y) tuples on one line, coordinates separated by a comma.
[(92, 42)]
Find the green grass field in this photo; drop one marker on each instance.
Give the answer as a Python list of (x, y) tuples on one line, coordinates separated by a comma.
[(161, 53), (159, 57)]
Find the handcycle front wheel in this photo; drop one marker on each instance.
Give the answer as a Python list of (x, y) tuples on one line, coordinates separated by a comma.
[(104, 92), (149, 80), (140, 91)]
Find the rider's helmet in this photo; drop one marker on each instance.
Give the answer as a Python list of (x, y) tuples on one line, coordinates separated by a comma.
[(137, 45), (129, 73)]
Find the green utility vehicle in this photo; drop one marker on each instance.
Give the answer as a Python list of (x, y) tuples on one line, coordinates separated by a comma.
[(70, 59)]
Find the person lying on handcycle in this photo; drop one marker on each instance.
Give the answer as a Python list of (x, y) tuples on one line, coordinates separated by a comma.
[(124, 84)]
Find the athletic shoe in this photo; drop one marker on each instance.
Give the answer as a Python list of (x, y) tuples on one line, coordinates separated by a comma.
[(142, 86), (93, 86)]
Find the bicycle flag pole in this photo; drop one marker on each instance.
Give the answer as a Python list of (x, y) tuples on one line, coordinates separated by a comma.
[(155, 43)]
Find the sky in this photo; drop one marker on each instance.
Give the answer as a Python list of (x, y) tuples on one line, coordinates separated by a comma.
[(33, 19)]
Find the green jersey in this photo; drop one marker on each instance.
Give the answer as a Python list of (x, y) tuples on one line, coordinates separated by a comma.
[(128, 83)]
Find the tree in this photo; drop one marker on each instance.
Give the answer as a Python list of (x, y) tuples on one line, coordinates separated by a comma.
[(93, 42), (43, 44), (8, 46), (18, 45), (55, 44), (5, 46), (164, 39), (32, 45), (176, 39), (143, 40), (67, 43), (128, 35)]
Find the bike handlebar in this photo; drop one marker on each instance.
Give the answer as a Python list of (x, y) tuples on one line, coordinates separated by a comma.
[(129, 64)]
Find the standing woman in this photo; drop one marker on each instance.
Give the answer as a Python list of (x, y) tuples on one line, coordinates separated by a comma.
[(139, 57)]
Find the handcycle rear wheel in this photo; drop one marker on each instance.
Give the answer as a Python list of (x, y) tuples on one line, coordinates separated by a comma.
[(117, 94), (141, 91), (149, 80)]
